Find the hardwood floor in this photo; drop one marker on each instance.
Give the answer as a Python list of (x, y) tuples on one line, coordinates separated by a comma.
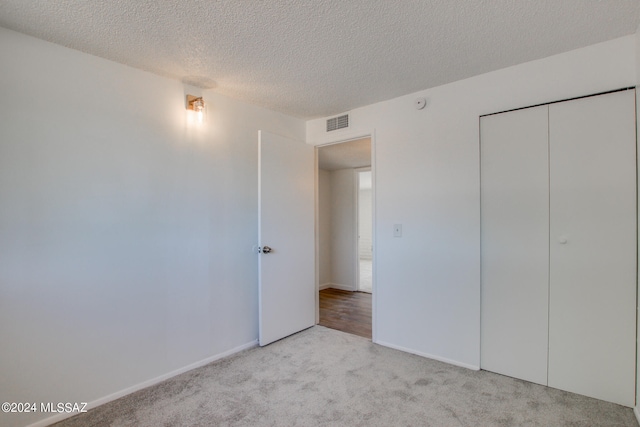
[(346, 311)]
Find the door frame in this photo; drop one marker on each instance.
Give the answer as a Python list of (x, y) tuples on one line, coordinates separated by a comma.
[(352, 136)]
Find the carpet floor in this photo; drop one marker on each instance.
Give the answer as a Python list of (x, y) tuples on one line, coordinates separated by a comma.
[(323, 377)]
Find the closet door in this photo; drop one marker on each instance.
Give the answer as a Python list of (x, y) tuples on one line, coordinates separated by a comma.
[(515, 243), (593, 246)]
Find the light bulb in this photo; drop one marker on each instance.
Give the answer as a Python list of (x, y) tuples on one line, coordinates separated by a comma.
[(197, 105)]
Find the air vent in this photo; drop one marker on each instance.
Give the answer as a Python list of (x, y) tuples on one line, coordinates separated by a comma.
[(339, 122)]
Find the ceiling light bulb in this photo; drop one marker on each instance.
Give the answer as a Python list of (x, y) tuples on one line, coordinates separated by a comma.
[(196, 104)]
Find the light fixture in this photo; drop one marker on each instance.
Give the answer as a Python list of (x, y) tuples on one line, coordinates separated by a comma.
[(196, 103)]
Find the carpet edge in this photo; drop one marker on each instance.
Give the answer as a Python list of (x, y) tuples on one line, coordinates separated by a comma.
[(429, 356)]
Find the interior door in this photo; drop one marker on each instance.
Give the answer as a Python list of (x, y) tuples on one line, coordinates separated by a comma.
[(286, 237), (592, 314)]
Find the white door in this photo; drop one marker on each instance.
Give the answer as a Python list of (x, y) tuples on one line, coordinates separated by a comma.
[(592, 314), (515, 243), (286, 237)]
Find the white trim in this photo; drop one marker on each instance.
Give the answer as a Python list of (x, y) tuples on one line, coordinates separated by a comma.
[(430, 356), (356, 228), (340, 136), (340, 287), (636, 411), (374, 240), (316, 234), (118, 394), (325, 286)]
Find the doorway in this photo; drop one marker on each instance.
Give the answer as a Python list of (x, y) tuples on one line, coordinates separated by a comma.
[(345, 236), (365, 230)]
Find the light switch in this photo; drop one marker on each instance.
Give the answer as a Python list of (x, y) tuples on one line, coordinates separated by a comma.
[(397, 230)]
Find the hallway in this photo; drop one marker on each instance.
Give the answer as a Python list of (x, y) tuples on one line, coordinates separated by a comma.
[(346, 311)]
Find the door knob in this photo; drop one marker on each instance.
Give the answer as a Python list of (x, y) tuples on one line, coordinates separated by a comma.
[(266, 249), (563, 240)]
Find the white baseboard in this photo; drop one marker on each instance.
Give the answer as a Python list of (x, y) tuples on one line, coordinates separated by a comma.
[(324, 286), (118, 394), (636, 411), (429, 356), (339, 287)]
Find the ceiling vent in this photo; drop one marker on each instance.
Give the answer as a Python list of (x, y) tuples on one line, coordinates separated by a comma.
[(339, 122)]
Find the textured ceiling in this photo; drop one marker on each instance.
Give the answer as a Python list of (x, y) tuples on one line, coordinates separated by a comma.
[(347, 155), (313, 58)]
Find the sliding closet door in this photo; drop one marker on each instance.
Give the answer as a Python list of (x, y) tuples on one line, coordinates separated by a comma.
[(515, 243), (593, 246)]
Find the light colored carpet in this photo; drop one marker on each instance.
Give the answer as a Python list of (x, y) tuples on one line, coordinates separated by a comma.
[(323, 377), (366, 276)]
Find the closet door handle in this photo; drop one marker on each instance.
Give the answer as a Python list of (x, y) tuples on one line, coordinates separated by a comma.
[(563, 240)]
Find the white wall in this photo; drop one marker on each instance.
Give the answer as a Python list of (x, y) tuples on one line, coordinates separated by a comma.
[(343, 229), (324, 228), (427, 178), (125, 230), (337, 229)]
